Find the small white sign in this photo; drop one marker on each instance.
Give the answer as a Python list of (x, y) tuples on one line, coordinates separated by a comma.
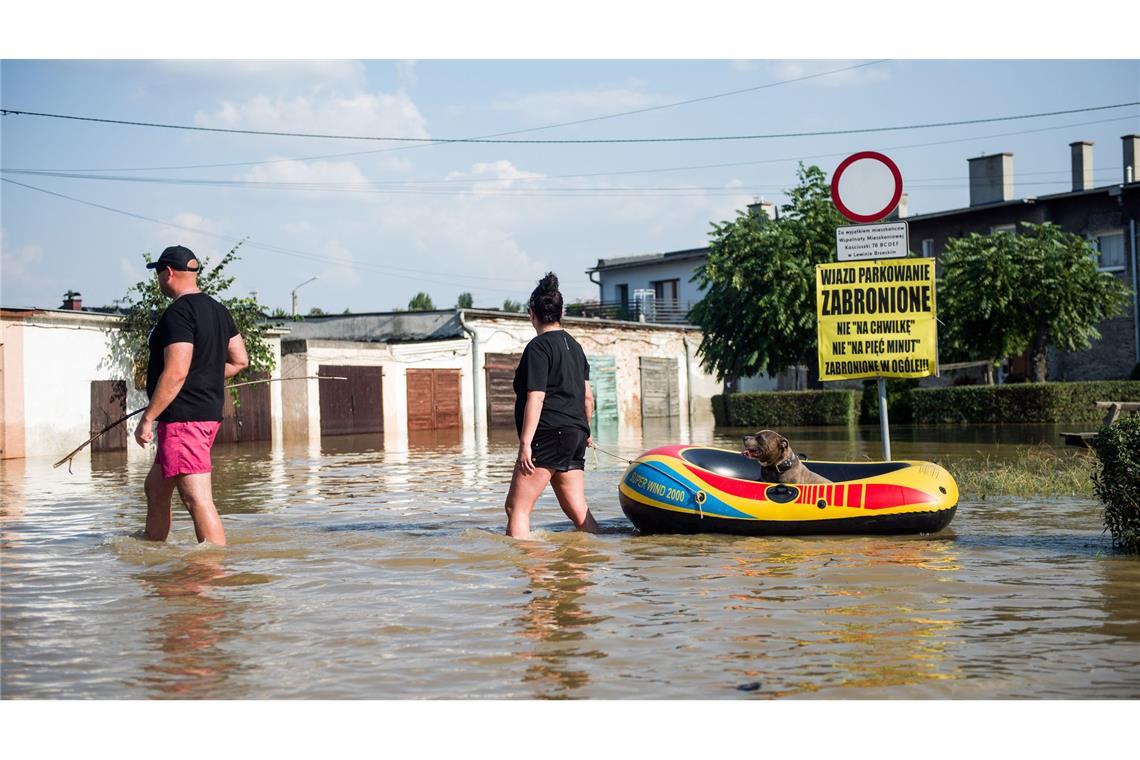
[(872, 241)]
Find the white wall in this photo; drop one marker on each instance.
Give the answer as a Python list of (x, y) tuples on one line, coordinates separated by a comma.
[(302, 406), (61, 358), (62, 355), (627, 344)]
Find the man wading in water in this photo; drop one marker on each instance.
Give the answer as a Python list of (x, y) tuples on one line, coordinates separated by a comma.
[(193, 349)]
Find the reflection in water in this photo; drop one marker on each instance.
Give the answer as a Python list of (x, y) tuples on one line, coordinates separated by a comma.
[(554, 619), (391, 579), (875, 629), (191, 631)]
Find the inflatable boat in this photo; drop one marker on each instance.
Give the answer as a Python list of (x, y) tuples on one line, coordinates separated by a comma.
[(695, 489)]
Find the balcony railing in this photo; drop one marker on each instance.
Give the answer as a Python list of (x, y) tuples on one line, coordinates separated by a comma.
[(669, 311)]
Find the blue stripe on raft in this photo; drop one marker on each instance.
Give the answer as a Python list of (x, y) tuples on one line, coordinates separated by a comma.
[(650, 480)]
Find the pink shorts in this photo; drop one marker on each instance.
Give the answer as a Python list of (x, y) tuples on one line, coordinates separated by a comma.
[(184, 447)]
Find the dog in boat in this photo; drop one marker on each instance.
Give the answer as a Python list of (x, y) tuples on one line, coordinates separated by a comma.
[(778, 463)]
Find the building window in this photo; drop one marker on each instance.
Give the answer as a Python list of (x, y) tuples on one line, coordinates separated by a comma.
[(666, 289), (1111, 248), (622, 294), (928, 248)]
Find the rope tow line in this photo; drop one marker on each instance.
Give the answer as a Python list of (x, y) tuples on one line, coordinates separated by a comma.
[(123, 419), (698, 495)]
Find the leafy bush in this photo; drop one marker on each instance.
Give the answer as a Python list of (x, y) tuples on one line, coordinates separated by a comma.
[(1116, 480), (786, 408), (900, 410), (1023, 402)]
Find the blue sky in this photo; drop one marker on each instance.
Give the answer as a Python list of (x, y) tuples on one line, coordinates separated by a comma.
[(485, 218)]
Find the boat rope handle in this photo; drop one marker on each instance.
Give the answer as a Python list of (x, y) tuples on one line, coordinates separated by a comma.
[(698, 495)]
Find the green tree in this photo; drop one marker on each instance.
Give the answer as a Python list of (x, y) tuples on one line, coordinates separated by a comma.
[(758, 313), (466, 301), (512, 306), (1004, 294), (144, 303), (316, 311), (421, 302)]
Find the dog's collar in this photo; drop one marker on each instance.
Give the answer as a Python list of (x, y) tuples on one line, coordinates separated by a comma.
[(786, 464)]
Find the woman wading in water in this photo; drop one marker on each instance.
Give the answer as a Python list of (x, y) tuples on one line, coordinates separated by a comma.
[(553, 406)]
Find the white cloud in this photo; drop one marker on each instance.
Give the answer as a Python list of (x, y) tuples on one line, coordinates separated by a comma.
[(366, 114), (494, 176), (341, 273), (289, 76), (851, 78), (18, 265), (562, 105), (406, 73), (204, 246), (340, 173)]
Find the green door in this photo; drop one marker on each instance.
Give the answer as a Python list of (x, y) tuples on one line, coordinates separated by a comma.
[(603, 381)]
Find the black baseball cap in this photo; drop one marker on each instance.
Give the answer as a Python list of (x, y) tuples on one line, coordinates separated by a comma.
[(177, 257)]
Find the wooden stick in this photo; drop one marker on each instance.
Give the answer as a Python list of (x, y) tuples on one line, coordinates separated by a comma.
[(121, 420)]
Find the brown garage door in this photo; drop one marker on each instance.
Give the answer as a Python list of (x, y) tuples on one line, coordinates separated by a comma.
[(500, 369), (433, 399), (108, 403), (249, 419), (659, 394), (354, 405)]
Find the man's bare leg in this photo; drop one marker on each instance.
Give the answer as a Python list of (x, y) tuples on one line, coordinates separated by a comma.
[(158, 493), (197, 494), (521, 497), (570, 488)]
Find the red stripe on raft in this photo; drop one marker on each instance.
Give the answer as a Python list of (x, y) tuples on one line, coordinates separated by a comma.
[(830, 492), (882, 496), (745, 489), (855, 495)]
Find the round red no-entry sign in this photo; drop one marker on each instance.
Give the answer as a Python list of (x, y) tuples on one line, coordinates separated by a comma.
[(866, 186)]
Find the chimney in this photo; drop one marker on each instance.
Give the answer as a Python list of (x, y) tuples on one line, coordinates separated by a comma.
[(991, 179), (766, 208), (1131, 148), (72, 301), (1082, 165)]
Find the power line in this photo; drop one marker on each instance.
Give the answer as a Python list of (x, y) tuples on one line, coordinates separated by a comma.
[(583, 141), (513, 132), (381, 269), (921, 183)]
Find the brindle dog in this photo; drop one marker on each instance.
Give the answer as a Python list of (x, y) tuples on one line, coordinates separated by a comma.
[(778, 463)]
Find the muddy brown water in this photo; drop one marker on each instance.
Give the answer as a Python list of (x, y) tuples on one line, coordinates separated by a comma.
[(360, 573)]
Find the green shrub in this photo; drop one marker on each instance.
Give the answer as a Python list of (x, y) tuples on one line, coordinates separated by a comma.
[(786, 408), (1116, 480), (1023, 402), (900, 410)]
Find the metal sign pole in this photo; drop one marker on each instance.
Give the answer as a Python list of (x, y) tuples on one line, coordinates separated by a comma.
[(884, 425)]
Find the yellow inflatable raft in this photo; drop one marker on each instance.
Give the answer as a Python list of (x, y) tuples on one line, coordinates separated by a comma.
[(695, 489)]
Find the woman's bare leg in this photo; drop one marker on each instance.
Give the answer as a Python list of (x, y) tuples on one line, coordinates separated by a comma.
[(524, 492), (570, 488)]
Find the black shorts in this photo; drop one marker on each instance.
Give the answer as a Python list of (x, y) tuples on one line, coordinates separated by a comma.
[(559, 449)]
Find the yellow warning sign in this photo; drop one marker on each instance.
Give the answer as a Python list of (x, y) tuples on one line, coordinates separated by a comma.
[(876, 319)]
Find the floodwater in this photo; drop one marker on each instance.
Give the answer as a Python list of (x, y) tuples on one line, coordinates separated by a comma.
[(359, 573)]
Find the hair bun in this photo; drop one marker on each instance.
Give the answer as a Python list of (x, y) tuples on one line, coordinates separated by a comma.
[(549, 283)]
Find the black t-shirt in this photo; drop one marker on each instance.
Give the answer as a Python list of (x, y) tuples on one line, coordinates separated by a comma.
[(554, 362), (194, 318)]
